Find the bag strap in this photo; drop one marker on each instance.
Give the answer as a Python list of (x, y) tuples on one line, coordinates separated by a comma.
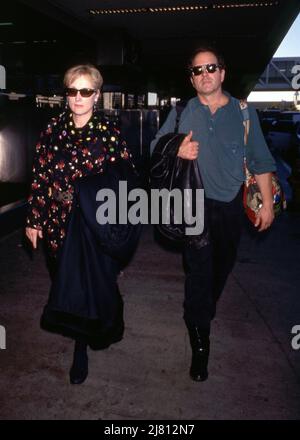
[(246, 118), (180, 106), (246, 121)]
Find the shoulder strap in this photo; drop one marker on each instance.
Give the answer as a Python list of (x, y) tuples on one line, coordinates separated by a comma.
[(180, 106), (246, 118)]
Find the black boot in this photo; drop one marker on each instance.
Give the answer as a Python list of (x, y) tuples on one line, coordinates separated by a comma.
[(79, 369), (200, 348)]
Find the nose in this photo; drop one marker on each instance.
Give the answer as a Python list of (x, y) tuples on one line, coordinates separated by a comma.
[(78, 96), (205, 72)]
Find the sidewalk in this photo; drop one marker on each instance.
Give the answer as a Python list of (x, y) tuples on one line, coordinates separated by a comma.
[(254, 372)]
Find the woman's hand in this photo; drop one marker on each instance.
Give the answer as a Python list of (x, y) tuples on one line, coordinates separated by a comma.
[(33, 235), (188, 149)]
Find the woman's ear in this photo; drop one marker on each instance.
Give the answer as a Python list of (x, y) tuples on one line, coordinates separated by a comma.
[(97, 96)]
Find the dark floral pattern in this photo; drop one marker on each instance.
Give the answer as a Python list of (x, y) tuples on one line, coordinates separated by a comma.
[(63, 154)]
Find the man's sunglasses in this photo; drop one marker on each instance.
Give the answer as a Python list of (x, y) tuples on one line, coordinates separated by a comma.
[(85, 93), (209, 68)]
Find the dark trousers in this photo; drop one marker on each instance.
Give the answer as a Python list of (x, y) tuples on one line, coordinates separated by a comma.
[(207, 268)]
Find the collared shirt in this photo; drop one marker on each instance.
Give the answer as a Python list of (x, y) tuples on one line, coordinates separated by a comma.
[(221, 145)]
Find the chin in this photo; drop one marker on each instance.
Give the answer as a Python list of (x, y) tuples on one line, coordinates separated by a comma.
[(208, 90), (80, 111)]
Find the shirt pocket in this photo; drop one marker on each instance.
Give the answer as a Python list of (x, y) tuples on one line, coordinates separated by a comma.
[(233, 159)]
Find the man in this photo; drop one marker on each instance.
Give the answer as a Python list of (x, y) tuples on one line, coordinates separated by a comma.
[(213, 122)]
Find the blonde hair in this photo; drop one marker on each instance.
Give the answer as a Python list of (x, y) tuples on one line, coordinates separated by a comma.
[(83, 69)]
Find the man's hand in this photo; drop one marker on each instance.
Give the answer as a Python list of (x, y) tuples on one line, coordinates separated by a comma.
[(265, 215), (188, 149), (264, 218), (33, 235)]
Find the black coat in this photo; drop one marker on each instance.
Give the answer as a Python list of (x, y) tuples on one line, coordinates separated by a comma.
[(84, 297), (169, 171)]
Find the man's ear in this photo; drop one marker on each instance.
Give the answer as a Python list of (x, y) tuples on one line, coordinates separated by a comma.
[(222, 75), (192, 80)]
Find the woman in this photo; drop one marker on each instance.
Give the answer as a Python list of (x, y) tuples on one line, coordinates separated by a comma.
[(77, 144)]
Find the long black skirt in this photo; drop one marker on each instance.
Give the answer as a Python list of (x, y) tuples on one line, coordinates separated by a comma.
[(84, 300)]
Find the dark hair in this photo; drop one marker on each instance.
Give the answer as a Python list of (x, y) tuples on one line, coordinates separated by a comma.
[(206, 48)]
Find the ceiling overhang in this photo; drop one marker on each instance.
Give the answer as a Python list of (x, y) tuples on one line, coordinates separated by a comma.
[(148, 42)]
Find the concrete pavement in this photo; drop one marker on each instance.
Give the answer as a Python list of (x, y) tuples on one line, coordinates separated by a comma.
[(254, 371)]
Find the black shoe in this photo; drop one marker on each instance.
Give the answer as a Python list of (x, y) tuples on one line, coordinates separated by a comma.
[(200, 349), (79, 370)]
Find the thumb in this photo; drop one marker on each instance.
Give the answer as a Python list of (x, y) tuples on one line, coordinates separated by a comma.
[(257, 221), (189, 136), (40, 233)]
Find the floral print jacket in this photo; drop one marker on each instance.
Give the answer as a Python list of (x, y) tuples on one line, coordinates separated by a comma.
[(63, 154)]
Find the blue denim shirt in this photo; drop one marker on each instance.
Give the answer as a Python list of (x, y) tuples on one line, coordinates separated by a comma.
[(221, 145)]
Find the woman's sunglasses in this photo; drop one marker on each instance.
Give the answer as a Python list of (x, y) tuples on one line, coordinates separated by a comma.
[(85, 93), (209, 68)]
